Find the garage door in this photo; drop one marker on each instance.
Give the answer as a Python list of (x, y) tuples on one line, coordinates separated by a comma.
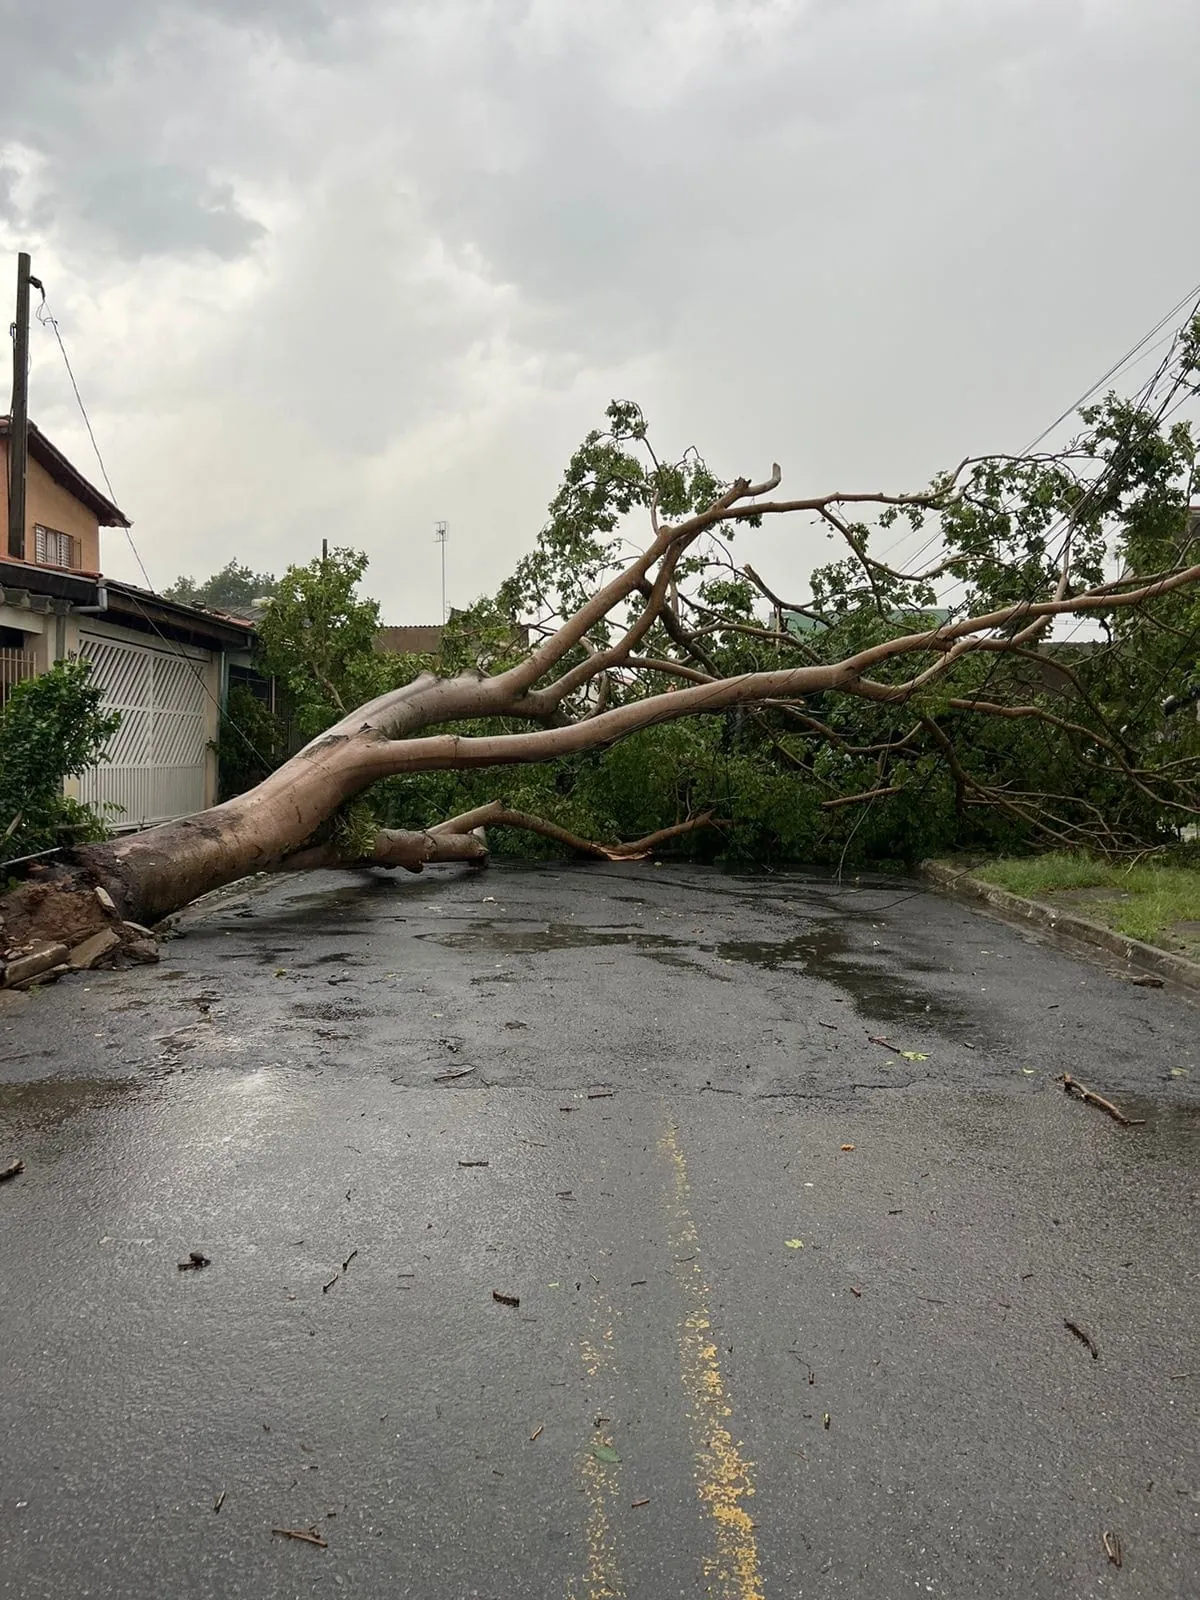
[(157, 757)]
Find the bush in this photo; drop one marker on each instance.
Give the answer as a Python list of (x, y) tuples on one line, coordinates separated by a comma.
[(52, 728)]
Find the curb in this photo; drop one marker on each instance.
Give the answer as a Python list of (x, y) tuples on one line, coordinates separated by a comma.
[(1063, 926)]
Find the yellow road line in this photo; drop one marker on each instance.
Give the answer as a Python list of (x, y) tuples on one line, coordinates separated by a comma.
[(723, 1477), (602, 1579)]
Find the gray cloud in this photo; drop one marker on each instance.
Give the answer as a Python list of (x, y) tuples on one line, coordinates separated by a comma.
[(349, 269)]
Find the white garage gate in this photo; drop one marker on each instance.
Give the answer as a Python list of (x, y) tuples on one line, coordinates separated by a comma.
[(157, 759)]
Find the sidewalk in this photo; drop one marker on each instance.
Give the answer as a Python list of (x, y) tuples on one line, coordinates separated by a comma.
[(1064, 924)]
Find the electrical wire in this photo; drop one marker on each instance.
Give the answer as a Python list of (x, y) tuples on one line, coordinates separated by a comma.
[(45, 318)]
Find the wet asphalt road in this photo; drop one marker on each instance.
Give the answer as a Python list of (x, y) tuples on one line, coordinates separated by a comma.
[(748, 1361)]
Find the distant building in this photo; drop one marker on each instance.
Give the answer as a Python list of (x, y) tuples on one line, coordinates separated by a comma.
[(420, 640)]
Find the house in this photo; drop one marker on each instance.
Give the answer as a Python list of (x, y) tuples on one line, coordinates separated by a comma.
[(418, 640), (164, 666), (425, 639)]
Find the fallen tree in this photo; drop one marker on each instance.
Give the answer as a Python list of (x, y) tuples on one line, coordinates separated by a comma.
[(621, 641)]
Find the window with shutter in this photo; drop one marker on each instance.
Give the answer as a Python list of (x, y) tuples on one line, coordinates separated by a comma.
[(53, 549)]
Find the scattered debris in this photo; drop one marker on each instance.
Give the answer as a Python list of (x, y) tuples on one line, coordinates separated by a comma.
[(846, 1148), (1112, 1548), (449, 1077), (472, 1163), (832, 1025), (606, 1453), (304, 1535), (85, 956), (23, 969), (1089, 1097), (516, 1024), (857, 1293), (914, 1055), (601, 1094), (1145, 980), (794, 1244), (1084, 1338), (825, 1421), (325, 1287), (506, 1299), (886, 1043), (349, 1259), (220, 1500), (634, 1504), (195, 1261), (537, 1432), (12, 1170)]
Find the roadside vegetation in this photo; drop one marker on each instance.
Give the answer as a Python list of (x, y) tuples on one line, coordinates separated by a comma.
[(1157, 901)]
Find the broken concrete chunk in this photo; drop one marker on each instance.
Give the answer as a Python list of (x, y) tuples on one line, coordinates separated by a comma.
[(23, 968), (51, 975), (137, 930), (144, 950), (85, 955), (105, 899)]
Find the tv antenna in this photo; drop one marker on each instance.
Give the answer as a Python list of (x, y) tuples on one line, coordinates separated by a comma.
[(441, 532)]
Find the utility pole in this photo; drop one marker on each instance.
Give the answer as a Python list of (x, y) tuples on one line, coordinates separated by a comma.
[(441, 532), (18, 436)]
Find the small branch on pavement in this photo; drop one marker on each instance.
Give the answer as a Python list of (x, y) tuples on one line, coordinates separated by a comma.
[(1082, 1336), (304, 1535), (1089, 1097), (1112, 1548), (12, 1170)]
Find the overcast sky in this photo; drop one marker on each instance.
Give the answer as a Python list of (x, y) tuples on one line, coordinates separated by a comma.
[(347, 269)]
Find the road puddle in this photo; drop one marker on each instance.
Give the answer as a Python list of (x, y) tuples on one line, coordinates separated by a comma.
[(880, 986), (31, 1107)]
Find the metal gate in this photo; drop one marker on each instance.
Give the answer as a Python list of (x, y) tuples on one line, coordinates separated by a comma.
[(158, 756)]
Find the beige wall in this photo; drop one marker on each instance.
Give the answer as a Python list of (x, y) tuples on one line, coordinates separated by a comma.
[(48, 503)]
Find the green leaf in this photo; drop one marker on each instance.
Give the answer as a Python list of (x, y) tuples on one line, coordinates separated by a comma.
[(606, 1453), (914, 1055), (794, 1244)]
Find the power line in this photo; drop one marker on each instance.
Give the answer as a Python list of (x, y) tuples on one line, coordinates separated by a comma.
[(47, 320)]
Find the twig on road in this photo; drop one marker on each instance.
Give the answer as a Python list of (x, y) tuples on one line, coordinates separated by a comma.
[(305, 1535), (1112, 1548), (195, 1261), (12, 1170), (1084, 1338), (1091, 1098)]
